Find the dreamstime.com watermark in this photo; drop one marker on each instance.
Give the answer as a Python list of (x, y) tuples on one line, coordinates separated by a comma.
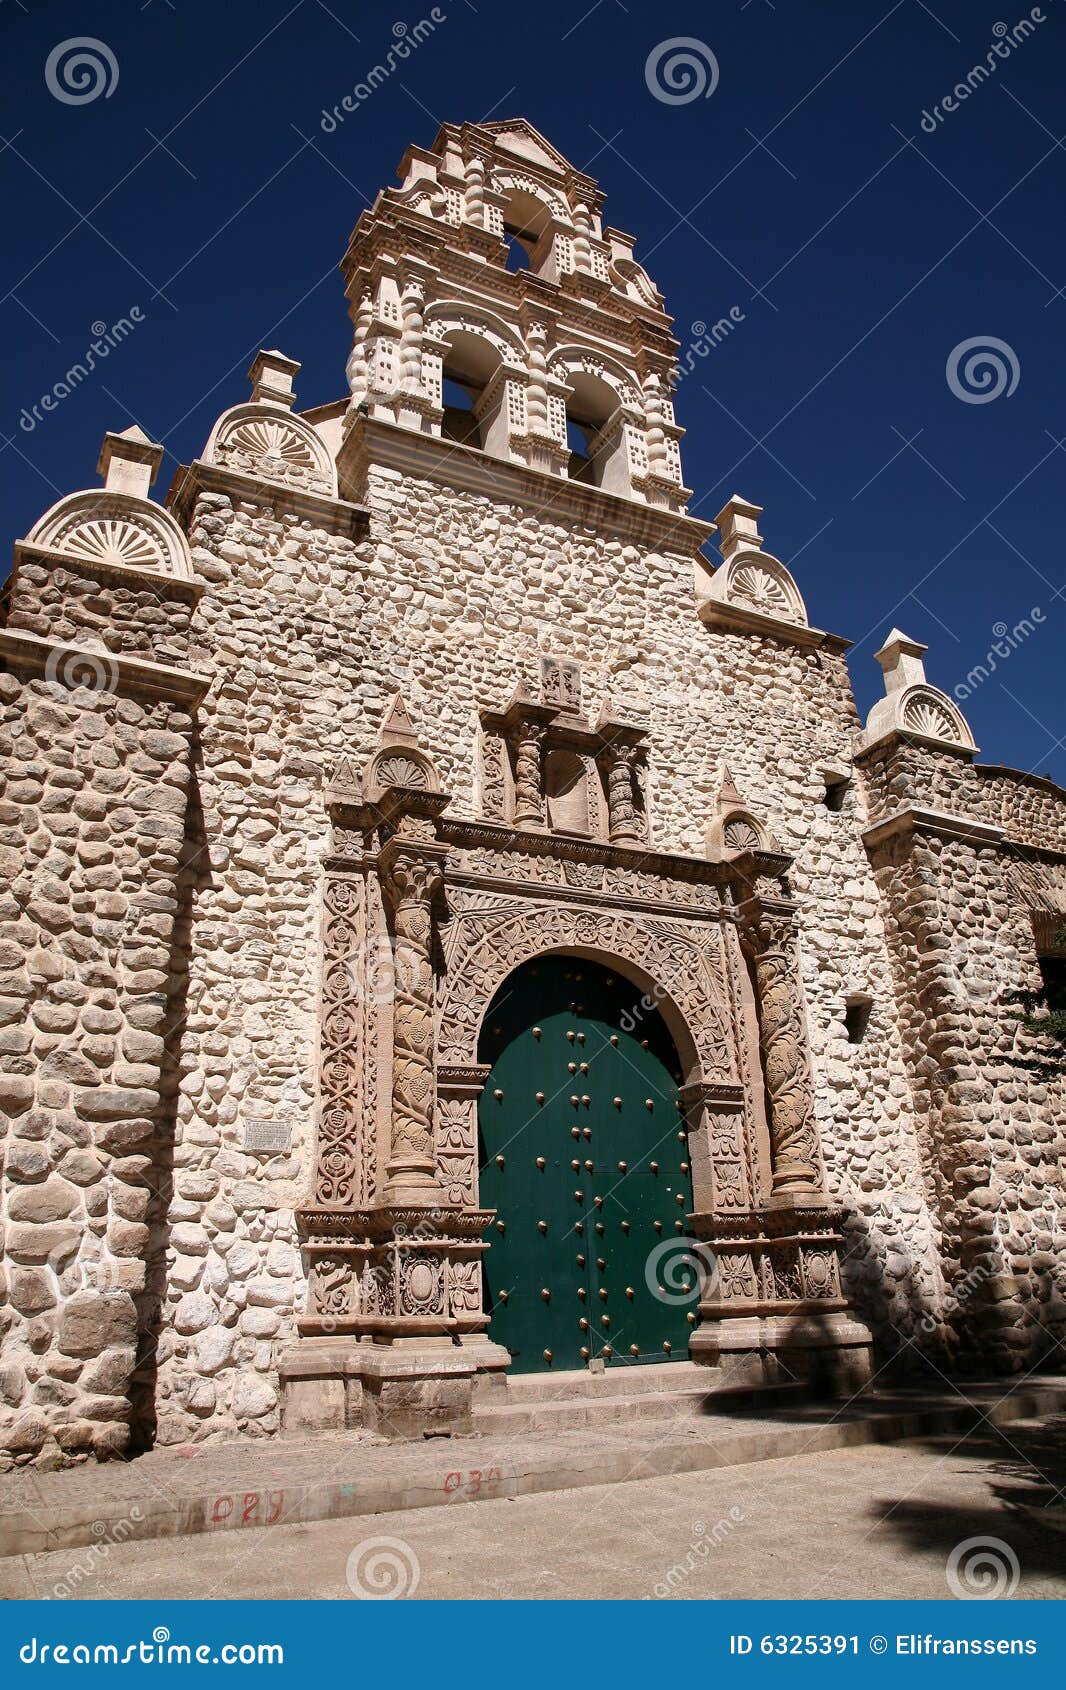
[(681, 70), (156, 1651), (81, 69), (981, 369), (982, 1569), (1007, 640), (1007, 41), (703, 1541), (382, 1569), (680, 1271), (704, 340), (406, 39), (100, 347)]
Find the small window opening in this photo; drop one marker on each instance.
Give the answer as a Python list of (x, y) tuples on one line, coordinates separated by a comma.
[(836, 792), (519, 246), (857, 1012)]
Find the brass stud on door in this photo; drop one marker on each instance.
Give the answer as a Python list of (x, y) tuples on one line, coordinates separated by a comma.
[(658, 1225), (545, 1295), (614, 1038), (505, 1296), (500, 1161), (586, 1100), (575, 1101), (600, 1228), (680, 1198), (548, 1356), (605, 1320), (541, 1163), (582, 1293), (576, 1165), (667, 1346), (540, 1097), (654, 1166), (602, 1295), (600, 1263), (537, 1032), (649, 1103), (598, 1202), (625, 1226), (501, 1226), (679, 1226), (583, 1324), (570, 1035), (583, 1353), (590, 1166), (623, 1167), (581, 1038), (607, 1350), (586, 1132), (583, 1067), (691, 1318), (542, 1226), (581, 1261), (634, 1350), (617, 1101), (571, 1067), (498, 1095), (575, 1132), (579, 1196), (629, 1292)]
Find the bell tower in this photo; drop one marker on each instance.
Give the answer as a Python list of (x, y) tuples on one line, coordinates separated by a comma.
[(492, 309)]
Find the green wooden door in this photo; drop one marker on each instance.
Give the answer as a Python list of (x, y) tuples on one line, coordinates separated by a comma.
[(583, 1156)]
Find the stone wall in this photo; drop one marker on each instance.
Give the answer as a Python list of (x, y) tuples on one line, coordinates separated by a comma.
[(92, 827)]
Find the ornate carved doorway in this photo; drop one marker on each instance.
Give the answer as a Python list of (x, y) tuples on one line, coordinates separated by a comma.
[(584, 1158)]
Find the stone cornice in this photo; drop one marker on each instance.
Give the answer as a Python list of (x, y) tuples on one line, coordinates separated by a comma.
[(373, 443), (118, 574), (737, 619), (39, 655), (500, 837), (339, 516), (864, 748), (914, 819)]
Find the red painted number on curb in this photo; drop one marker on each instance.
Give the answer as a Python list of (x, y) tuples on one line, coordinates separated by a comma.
[(250, 1501), (477, 1482)]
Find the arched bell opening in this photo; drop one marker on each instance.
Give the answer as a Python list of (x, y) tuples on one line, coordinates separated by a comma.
[(469, 364), (583, 1153)]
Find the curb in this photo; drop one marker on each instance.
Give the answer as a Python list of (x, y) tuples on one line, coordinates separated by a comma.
[(428, 1481)]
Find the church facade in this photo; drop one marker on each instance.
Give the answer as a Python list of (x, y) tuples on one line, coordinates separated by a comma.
[(453, 928)]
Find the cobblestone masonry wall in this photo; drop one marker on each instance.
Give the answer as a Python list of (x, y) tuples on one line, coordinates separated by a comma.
[(454, 597), (92, 821), (305, 635)]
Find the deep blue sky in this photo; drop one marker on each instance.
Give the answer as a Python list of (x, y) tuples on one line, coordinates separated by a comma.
[(858, 260)]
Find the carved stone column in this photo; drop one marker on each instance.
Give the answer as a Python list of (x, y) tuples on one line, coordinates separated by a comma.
[(412, 306), (621, 804), (794, 1149), (528, 741), (411, 871)]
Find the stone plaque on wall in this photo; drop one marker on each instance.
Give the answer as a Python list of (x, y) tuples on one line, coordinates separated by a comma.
[(273, 1136)]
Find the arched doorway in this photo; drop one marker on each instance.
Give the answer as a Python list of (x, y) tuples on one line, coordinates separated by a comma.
[(583, 1155)]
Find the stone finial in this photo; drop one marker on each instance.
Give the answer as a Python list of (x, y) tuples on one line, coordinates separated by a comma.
[(272, 376), (128, 462), (901, 662), (738, 524), (397, 727)]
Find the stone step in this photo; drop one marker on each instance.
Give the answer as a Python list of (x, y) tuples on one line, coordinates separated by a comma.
[(615, 1381), (573, 1412)]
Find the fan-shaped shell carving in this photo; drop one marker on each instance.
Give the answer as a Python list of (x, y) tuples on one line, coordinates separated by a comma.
[(270, 443), (741, 834), (117, 529), (399, 766), (766, 586), (926, 712)]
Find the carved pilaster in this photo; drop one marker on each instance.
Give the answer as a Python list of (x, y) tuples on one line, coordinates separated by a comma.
[(621, 802), (714, 1117), (458, 1089), (528, 741), (794, 1148), (411, 873)]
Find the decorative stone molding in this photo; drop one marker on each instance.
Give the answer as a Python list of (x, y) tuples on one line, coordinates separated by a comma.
[(69, 666), (118, 526), (751, 587), (736, 828), (262, 439), (912, 706)]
